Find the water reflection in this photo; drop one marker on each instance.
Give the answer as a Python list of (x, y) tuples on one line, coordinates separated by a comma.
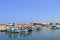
[(12, 35), (24, 34), (17, 35)]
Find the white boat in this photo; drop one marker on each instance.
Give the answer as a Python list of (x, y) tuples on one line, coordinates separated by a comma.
[(58, 26), (23, 30), (54, 27), (18, 29), (12, 29), (29, 28)]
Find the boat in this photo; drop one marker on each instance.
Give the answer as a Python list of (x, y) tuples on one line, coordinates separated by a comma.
[(25, 28), (12, 29), (58, 26), (54, 27), (29, 28), (22, 29), (18, 29)]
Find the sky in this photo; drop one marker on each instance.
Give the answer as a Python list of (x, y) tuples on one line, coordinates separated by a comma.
[(27, 11)]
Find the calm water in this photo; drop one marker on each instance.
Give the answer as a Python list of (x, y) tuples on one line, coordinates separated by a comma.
[(43, 34)]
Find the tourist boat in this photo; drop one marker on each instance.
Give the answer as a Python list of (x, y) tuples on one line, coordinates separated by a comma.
[(25, 28), (18, 29), (29, 28), (12, 29)]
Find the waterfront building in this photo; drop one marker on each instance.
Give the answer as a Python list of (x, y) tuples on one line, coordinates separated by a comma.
[(23, 25), (2, 26), (37, 24)]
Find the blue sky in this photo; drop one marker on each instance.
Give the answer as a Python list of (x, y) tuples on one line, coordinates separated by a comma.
[(26, 11)]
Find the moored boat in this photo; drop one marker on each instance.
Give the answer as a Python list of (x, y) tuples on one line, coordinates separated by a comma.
[(18, 29), (54, 27), (12, 29)]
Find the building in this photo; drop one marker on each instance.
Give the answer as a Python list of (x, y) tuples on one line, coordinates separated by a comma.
[(2, 26), (23, 25)]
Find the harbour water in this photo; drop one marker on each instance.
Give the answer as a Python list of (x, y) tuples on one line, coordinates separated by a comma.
[(43, 34)]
